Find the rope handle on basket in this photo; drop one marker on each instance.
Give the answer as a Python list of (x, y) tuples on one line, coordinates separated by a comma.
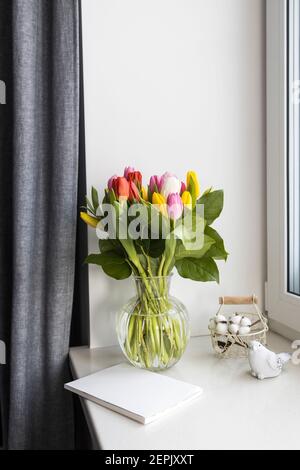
[(251, 300)]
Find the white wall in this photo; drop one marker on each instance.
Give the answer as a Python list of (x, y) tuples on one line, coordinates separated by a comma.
[(177, 85)]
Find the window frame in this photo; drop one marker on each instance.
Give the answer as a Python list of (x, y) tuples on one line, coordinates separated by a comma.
[(292, 183), (283, 307)]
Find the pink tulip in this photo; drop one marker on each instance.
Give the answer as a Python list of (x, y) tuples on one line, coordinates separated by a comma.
[(127, 170), (111, 181), (175, 206), (183, 187), (155, 181)]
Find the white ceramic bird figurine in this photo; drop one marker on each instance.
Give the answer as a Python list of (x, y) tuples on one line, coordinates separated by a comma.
[(265, 363)]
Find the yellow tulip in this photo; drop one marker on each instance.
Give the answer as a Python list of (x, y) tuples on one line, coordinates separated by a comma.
[(186, 198), (160, 201), (192, 183), (89, 220), (145, 193)]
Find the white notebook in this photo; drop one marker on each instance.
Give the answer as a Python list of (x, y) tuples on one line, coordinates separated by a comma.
[(136, 393)]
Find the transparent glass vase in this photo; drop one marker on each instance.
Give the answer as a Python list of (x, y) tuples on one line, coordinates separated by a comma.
[(153, 327)]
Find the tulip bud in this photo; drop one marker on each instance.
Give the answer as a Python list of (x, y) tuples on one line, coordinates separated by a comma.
[(170, 185), (186, 198), (160, 201), (145, 193), (111, 180), (134, 194), (193, 185), (183, 187), (155, 184), (121, 187), (136, 177), (89, 220), (127, 170), (175, 206)]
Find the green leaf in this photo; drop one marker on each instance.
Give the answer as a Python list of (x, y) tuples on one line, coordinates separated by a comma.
[(112, 264), (153, 248), (171, 244), (89, 206), (187, 228), (182, 252), (95, 198), (207, 191), (198, 269), (213, 205), (157, 248), (217, 251), (102, 259), (142, 245), (120, 272), (111, 245)]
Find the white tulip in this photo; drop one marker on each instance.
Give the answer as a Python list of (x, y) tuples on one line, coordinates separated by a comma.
[(170, 185)]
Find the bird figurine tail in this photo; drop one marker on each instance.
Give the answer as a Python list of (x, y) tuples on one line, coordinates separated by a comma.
[(284, 358)]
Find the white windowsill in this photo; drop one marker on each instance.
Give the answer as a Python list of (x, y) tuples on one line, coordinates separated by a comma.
[(236, 411)]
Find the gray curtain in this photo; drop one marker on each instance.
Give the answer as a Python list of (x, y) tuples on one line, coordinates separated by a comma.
[(39, 145)]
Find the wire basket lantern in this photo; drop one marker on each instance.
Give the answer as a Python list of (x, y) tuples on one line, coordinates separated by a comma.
[(232, 332)]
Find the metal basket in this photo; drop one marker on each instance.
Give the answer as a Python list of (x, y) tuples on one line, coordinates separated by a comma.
[(229, 345)]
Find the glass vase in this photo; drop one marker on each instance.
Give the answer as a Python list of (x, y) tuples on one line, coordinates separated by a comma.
[(153, 327)]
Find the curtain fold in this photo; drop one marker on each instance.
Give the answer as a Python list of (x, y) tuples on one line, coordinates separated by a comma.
[(39, 192)]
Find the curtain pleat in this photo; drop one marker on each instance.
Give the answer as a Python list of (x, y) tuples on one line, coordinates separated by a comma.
[(39, 192)]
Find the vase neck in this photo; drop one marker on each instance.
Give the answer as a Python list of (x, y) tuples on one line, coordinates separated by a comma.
[(157, 286)]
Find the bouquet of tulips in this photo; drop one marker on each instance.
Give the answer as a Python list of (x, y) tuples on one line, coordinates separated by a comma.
[(146, 231)]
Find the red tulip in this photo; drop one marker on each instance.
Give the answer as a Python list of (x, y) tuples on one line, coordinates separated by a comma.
[(134, 194), (121, 187), (111, 180), (136, 177), (183, 187)]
